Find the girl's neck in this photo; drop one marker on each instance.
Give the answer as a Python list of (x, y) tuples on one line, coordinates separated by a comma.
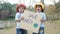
[(38, 11), (19, 12)]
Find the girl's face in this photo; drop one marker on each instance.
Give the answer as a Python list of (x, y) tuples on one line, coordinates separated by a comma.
[(38, 9), (21, 9)]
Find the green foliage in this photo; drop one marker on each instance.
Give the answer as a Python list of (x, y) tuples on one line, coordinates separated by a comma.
[(14, 8), (57, 5), (3, 10), (6, 6)]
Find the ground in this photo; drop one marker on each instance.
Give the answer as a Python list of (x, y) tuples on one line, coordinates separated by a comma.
[(50, 28)]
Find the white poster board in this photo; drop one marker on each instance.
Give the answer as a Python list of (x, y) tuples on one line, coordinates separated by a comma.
[(31, 22)]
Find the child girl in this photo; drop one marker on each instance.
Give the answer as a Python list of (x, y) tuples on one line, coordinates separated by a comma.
[(18, 17), (39, 9)]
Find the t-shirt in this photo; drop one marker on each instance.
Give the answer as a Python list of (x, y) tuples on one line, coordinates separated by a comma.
[(43, 18), (17, 17)]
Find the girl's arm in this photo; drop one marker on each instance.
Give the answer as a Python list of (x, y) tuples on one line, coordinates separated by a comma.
[(18, 17), (21, 18), (43, 18)]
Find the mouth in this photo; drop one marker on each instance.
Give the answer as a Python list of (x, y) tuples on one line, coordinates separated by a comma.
[(37, 9)]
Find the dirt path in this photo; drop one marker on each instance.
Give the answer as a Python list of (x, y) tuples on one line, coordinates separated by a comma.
[(8, 31), (50, 28)]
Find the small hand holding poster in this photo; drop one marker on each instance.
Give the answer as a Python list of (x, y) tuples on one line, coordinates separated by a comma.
[(31, 22)]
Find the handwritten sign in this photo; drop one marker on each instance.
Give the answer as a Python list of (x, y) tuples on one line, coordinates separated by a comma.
[(31, 22)]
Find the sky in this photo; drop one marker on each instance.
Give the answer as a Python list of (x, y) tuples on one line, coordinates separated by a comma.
[(26, 2)]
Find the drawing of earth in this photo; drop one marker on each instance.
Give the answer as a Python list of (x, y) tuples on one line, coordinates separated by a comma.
[(35, 25)]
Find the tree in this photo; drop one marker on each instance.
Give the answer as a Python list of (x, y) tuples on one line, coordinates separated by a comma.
[(58, 9), (50, 12), (57, 5), (6, 9)]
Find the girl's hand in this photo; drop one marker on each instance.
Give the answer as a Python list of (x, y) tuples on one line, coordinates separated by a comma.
[(22, 18), (42, 20)]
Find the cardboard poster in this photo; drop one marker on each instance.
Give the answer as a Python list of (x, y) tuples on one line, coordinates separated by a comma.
[(31, 22)]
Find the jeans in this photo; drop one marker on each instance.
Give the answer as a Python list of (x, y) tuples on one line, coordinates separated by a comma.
[(41, 30), (20, 31)]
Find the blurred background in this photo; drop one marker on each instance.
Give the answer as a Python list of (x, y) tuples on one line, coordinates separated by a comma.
[(8, 11)]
